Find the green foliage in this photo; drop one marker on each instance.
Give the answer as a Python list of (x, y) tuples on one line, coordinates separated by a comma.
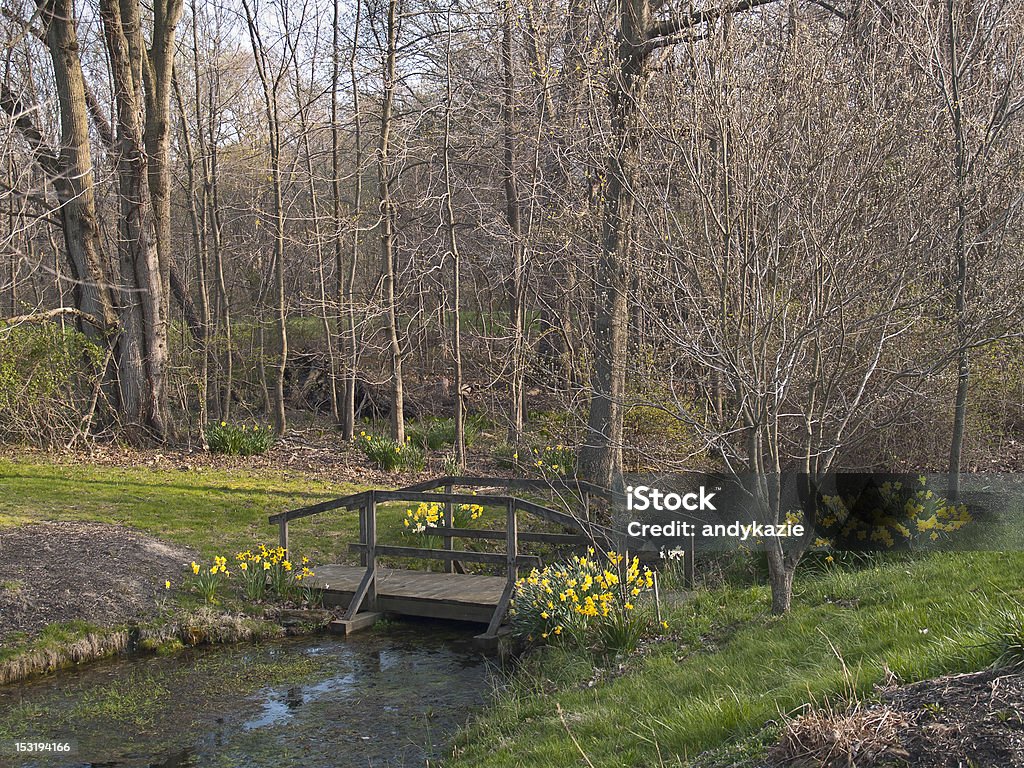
[(268, 571), (239, 440), (390, 455), (545, 460), (450, 466), (1006, 640), (435, 434), (47, 377), (207, 581), (552, 460)]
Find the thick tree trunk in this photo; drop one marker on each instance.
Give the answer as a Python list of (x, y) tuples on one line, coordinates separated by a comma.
[(144, 303), (600, 458), (70, 169), (158, 67)]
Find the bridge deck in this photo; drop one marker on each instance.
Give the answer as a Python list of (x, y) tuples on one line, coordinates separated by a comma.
[(456, 596)]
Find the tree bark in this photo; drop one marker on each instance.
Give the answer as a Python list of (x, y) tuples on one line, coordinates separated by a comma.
[(517, 389), (600, 458), (387, 222), (144, 303)]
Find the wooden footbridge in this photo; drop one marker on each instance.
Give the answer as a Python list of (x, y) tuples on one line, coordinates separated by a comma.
[(369, 589)]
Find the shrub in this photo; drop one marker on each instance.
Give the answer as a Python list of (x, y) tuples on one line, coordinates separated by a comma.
[(47, 378), (390, 455), (591, 601), (239, 440)]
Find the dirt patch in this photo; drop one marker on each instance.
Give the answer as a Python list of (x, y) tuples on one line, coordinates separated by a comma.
[(949, 722), (977, 718), (103, 574)]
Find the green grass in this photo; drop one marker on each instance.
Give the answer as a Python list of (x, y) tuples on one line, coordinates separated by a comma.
[(211, 510), (732, 667), (53, 637)]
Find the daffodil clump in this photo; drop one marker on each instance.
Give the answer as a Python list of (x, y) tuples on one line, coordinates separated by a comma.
[(390, 455), (549, 460), (206, 580), (893, 514), (239, 439), (593, 600), (431, 515), (259, 573)]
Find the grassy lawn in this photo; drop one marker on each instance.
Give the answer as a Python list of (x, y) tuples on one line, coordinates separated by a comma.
[(731, 667), (214, 511)]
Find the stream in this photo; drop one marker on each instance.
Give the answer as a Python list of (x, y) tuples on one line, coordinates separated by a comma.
[(382, 698)]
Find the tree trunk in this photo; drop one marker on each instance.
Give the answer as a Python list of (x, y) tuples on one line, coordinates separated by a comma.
[(963, 366), (387, 224), (453, 252), (517, 388), (144, 303), (600, 458), (157, 70)]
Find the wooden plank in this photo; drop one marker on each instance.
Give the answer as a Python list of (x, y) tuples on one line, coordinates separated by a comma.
[(348, 502), (436, 609), (360, 595), (492, 558), (418, 585), (567, 539), (441, 498), (364, 620), (513, 482)]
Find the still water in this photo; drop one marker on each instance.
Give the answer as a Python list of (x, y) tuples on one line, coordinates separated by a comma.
[(391, 698)]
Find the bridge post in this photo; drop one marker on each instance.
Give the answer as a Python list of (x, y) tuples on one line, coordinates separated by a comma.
[(449, 522), (512, 542), (371, 547), (364, 513), (367, 589), (511, 558), (282, 534)]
